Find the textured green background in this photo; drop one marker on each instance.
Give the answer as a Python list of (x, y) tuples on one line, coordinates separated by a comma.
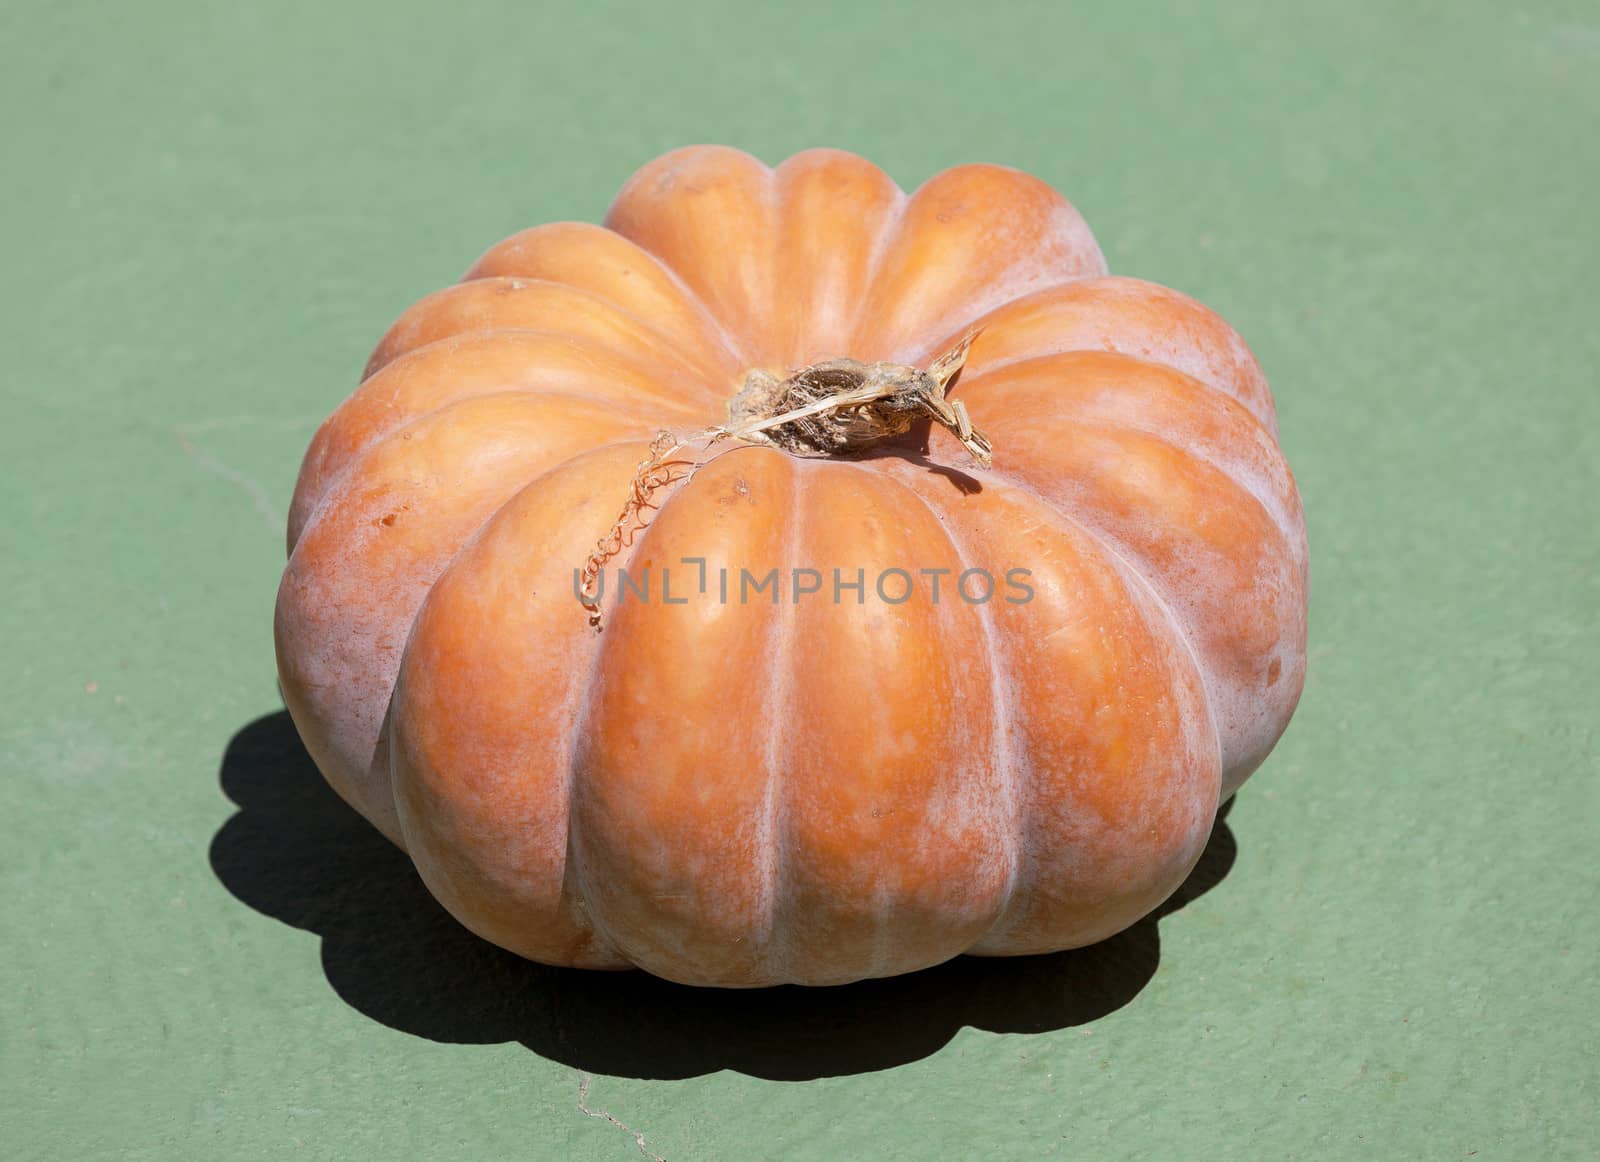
[(211, 213)]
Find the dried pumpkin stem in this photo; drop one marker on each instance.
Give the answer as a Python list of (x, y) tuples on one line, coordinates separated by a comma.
[(832, 408), (842, 406)]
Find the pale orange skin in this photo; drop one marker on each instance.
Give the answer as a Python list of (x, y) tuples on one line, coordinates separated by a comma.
[(747, 794)]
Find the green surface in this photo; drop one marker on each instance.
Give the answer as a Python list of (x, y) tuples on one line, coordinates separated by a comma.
[(212, 212)]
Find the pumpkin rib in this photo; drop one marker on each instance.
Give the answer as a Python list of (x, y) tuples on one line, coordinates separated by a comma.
[(977, 323), (850, 219), (736, 355), (1287, 543), (346, 630), (1112, 314), (1024, 364), (640, 442), (325, 465), (782, 934), (1139, 579), (331, 481), (404, 431), (585, 398), (1132, 574), (1024, 483), (496, 546), (716, 219), (892, 801), (1226, 408), (1039, 845), (437, 316), (589, 680), (485, 267), (611, 856), (1003, 694), (1116, 549), (1224, 688), (966, 241), (780, 694), (665, 380), (881, 244)]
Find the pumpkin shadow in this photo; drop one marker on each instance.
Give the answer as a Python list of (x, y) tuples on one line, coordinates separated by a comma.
[(296, 852)]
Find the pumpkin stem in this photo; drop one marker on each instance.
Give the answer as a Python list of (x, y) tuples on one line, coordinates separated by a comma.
[(841, 406), (830, 408)]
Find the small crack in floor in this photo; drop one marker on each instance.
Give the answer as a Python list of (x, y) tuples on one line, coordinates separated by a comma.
[(583, 1094)]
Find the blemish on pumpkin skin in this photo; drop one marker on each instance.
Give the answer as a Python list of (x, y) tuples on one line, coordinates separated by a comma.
[(741, 489), (1273, 671)]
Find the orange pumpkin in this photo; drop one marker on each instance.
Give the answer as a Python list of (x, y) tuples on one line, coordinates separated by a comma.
[(745, 792)]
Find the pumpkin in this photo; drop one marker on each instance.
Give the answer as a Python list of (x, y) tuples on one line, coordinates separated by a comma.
[(810, 784)]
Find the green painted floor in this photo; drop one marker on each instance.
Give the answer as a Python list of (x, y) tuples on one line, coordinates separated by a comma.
[(212, 211)]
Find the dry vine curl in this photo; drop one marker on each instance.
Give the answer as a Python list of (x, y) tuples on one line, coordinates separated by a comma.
[(655, 472)]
